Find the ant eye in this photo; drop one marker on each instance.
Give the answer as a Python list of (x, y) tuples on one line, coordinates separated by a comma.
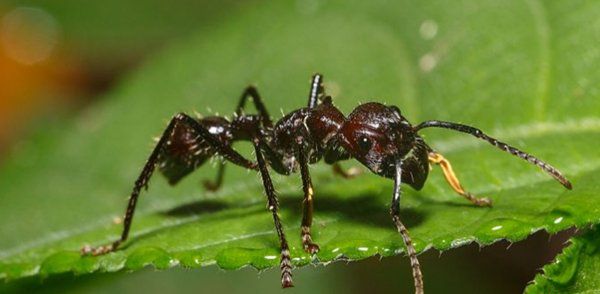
[(364, 143)]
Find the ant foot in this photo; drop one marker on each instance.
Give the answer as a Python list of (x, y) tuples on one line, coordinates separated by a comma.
[(286, 269), (482, 202), (311, 248), (286, 280), (95, 251)]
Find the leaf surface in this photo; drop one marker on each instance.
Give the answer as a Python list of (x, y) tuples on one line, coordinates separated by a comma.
[(523, 71)]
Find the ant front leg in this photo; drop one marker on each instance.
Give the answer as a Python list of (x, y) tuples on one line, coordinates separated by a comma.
[(307, 208), (436, 158), (285, 263), (410, 249), (142, 181)]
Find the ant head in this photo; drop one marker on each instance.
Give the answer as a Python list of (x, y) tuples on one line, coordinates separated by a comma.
[(377, 135)]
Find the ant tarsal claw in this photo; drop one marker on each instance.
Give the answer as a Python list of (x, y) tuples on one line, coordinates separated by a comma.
[(311, 248), (96, 251), (482, 201)]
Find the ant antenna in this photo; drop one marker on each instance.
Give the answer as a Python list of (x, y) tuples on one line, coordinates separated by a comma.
[(501, 145)]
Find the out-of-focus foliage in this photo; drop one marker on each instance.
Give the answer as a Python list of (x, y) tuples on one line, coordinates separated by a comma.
[(99, 30), (573, 271)]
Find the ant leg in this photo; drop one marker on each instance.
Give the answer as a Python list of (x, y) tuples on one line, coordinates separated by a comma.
[(333, 157), (346, 174), (252, 92), (501, 145), (249, 92), (316, 90), (273, 204), (214, 186), (307, 207), (410, 249), (453, 181), (149, 167)]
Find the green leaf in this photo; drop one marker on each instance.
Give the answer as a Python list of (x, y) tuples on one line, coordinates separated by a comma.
[(575, 270), (523, 71)]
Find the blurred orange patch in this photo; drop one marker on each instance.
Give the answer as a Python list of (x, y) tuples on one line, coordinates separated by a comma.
[(36, 75)]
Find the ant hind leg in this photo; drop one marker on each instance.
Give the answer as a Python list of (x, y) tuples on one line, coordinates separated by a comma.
[(154, 159), (252, 92)]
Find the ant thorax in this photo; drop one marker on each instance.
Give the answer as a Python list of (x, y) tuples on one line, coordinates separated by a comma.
[(313, 129)]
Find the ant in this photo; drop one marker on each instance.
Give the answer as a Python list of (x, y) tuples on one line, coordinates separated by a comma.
[(378, 136)]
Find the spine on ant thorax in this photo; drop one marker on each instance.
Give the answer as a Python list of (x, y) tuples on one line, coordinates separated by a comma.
[(245, 128), (311, 131)]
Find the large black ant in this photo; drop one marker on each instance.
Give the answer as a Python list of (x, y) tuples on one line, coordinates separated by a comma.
[(375, 134)]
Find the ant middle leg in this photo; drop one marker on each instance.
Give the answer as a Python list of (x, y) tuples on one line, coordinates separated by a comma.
[(285, 263), (307, 206), (195, 129), (436, 158)]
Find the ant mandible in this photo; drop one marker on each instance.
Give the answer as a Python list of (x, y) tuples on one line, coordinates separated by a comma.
[(375, 134)]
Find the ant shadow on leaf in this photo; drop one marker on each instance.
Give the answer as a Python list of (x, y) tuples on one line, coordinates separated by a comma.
[(197, 208), (365, 208), (362, 208)]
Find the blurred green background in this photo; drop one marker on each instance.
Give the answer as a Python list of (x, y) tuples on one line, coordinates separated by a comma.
[(59, 58)]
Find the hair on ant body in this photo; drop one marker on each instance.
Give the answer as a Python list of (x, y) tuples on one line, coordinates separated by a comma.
[(376, 135)]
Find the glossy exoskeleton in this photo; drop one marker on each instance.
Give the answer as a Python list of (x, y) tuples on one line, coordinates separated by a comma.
[(376, 135)]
